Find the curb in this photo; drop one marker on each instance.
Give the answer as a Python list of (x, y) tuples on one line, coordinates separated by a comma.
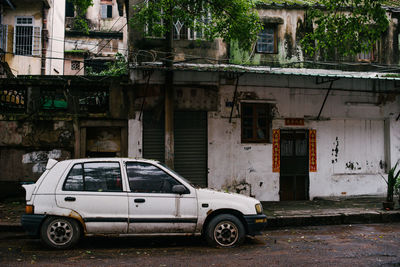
[(300, 220), (334, 219), (11, 227)]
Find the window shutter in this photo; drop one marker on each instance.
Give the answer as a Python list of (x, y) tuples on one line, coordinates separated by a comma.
[(36, 49), (109, 11), (3, 37), (103, 11)]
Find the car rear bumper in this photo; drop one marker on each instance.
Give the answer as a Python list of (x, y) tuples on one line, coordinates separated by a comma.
[(255, 223), (32, 222)]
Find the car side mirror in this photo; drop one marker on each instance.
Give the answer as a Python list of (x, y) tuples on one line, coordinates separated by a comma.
[(179, 189)]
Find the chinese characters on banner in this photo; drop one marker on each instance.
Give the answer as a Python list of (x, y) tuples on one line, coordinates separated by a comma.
[(276, 151), (313, 150)]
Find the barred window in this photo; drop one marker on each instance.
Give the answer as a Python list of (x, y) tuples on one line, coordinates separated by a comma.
[(75, 65), (266, 42), (26, 36), (256, 122)]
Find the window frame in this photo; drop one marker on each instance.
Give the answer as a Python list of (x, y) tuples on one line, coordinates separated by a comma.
[(83, 178), (35, 38), (275, 40), (69, 5), (104, 11), (130, 190), (268, 123)]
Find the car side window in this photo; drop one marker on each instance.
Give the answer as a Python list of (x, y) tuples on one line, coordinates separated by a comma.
[(74, 181), (147, 178), (94, 176)]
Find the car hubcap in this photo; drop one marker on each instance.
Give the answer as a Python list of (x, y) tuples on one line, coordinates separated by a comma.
[(226, 233), (59, 232)]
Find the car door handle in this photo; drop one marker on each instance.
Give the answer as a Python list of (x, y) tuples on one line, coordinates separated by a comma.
[(140, 200), (69, 199)]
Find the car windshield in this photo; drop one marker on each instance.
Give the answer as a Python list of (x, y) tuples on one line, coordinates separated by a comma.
[(177, 174)]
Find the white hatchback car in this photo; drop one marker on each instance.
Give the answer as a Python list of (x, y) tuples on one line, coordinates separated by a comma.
[(126, 196)]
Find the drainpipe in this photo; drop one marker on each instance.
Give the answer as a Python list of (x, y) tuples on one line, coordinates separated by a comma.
[(44, 41)]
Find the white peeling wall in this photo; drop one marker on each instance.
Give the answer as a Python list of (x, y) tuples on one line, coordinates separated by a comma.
[(135, 143), (351, 154)]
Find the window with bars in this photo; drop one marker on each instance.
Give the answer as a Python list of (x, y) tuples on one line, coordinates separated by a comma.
[(27, 38), (267, 41), (75, 65), (256, 122)]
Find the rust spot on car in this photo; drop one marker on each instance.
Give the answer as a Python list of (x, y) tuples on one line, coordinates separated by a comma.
[(209, 212), (73, 214)]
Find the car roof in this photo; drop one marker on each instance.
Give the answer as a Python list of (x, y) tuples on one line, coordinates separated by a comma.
[(111, 159)]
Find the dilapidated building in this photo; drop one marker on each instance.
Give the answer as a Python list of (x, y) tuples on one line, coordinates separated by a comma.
[(287, 129), (58, 117), (273, 133), (105, 37), (31, 42)]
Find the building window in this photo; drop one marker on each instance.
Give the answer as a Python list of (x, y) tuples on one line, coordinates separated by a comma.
[(69, 9), (266, 41), (106, 11), (256, 122), (26, 37), (75, 65)]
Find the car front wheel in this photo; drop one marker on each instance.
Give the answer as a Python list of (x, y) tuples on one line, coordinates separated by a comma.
[(59, 232), (225, 230)]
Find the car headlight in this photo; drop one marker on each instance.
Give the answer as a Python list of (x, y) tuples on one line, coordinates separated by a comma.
[(259, 208)]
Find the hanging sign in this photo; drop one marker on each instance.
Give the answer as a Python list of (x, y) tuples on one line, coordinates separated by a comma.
[(276, 150), (313, 150)]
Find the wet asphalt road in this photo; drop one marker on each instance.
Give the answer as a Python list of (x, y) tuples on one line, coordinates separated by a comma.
[(341, 245)]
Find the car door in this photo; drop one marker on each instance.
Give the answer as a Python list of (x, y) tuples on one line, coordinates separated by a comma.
[(153, 208), (95, 191)]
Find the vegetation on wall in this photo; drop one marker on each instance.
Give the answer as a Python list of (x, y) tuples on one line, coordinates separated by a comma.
[(118, 67), (227, 19), (81, 7), (344, 27), (242, 57)]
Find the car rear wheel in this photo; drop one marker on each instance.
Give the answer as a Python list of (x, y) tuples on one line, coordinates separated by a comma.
[(59, 232), (225, 230)]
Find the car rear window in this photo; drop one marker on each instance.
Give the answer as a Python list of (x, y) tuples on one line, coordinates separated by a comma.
[(94, 176)]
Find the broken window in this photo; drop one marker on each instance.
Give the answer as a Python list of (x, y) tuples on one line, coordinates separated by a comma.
[(256, 122), (27, 37), (267, 41)]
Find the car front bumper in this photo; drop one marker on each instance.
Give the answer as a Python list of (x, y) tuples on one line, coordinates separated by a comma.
[(32, 222), (255, 223)]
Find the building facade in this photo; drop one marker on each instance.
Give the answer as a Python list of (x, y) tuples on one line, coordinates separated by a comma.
[(31, 40), (105, 37)]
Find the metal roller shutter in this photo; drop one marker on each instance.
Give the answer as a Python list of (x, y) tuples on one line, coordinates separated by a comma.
[(190, 129), (191, 146), (153, 136)]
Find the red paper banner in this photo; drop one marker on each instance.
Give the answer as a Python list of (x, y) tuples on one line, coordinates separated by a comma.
[(276, 151), (313, 150)]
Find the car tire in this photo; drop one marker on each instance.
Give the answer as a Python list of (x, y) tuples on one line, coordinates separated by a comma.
[(225, 230), (60, 232)]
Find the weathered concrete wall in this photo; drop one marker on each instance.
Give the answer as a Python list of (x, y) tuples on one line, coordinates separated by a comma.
[(26, 147), (355, 143), (289, 49), (350, 143)]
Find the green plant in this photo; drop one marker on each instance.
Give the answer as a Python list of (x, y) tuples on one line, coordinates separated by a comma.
[(115, 68), (392, 182)]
